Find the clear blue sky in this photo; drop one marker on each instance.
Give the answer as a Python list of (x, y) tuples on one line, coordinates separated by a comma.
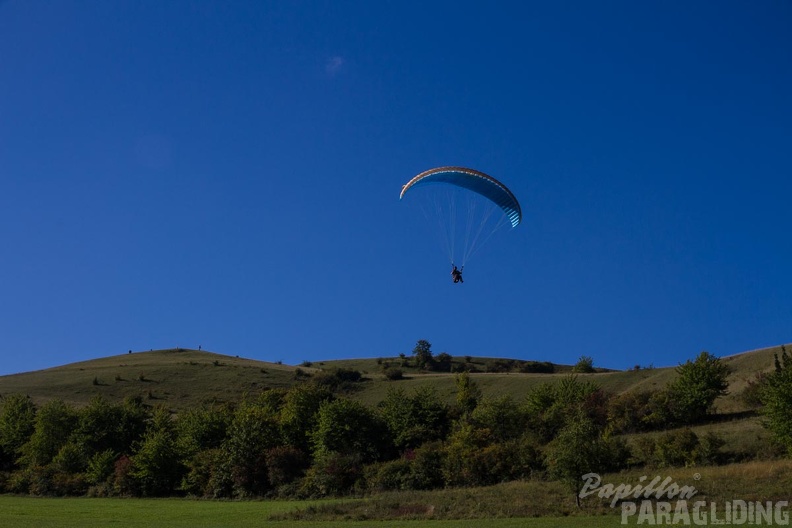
[(226, 174)]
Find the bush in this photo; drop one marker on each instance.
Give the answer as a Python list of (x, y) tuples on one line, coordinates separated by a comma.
[(629, 412), (204, 475), (696, 387), (100, 467), (544, 367), (285, 464), (389, 476), (585, 365), (427, 466), (678, 448), (777, 400), (393, 374), (332, 474), (338, 379), (752, 394)]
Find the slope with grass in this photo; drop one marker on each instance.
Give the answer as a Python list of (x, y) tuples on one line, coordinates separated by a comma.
[(180, 378), (177, 378)]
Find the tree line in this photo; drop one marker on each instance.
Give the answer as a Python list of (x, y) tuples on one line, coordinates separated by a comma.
[(312, 441)]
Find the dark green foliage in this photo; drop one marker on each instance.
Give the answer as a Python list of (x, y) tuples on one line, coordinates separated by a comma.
[(423, 355), (544, 367), (202, 429), (53, 426), (752, 394), (253, 430), (393, 373), (208, 475), (501, 365), (426, 466), (474, 458), (103, 426), (777, 400), (678, 448), (550, 406), (156, 466), (332, 473), (584, 365), (286, 464), (502, 417), (414, 419), (100, 467), (696, 387), (578, 449), (338, 379), (468, 393), (348, 427), (299, 412), (442, 362), (17, 423), (389, 476), (631, 412)]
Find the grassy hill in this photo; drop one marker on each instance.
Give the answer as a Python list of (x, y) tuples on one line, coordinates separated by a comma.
[(177, 378), (180, 378), (183, 378)]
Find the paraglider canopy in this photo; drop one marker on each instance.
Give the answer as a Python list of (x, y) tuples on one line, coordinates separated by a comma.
[(475, 181), (466, 207)]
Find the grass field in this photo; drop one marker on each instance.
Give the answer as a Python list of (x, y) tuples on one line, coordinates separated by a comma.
[(25, 512)]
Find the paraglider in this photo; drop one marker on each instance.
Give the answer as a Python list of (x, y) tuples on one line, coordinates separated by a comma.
[(466, 206)]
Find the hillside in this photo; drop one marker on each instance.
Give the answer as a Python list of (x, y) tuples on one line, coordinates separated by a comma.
[(177, 378), (180, 378)]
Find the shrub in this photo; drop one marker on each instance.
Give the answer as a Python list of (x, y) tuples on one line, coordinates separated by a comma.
[(285, 464), (678, 448), (389, 476), (332, 474), (696, 387), (393, 374), (777, 400), (100, 467), (752, 394), (427, 466), (584, 365), (544, 367), (629, 412)]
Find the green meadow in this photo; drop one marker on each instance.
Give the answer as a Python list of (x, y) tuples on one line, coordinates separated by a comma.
[(25, 512)]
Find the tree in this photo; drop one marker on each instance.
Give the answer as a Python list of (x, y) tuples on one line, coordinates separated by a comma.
[(414, 419), (697, 385), (54, 424), (17, 423), (550, 406), (777, 399), (468, 393), (253, 431), (576, 450), (443, 362), (350, 428), (201, 429), (502, 417), (423, 354), (585, 365), (299, 412), (156, 466)]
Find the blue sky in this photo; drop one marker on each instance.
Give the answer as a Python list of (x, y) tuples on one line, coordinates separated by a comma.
[(226, 174)]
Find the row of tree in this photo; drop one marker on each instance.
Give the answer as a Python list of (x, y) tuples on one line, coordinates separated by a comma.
[(311, 441)]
